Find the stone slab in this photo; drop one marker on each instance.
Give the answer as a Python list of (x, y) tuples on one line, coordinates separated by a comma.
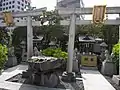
[(12, 72), (17, 86), (92, 80)]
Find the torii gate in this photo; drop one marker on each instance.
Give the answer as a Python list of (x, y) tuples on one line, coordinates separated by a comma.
[(29, 23), (82, 11)]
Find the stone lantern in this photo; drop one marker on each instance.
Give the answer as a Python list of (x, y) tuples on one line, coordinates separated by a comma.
[(103, 46)]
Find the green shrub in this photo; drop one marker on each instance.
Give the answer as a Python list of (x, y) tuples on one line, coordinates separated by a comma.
[(48, 52), (3, 55), (115, 58), (55, 52), (116, 49)]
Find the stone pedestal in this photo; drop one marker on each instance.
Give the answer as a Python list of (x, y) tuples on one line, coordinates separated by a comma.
[(75, 66), (108, 68), (12, 61)]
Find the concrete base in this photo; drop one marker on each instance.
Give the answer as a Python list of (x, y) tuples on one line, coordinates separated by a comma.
[(75, 66), (116, 79)]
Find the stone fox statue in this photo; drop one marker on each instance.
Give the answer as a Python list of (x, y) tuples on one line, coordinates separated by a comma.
[(11, 51), (36, 52)]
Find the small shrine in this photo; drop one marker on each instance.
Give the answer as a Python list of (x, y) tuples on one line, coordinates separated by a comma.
[(90, 48)]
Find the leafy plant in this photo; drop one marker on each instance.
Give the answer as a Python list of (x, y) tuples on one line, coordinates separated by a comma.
[(3, 55), (116, 49), (48, 52), (55, 52), (116, 52)]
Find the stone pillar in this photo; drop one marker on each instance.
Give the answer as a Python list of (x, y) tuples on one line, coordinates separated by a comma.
[(71, 43), (119, 50), (29, 37)]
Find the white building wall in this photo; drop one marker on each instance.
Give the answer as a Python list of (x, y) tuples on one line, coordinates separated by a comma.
[(69, 3), (14, 6)]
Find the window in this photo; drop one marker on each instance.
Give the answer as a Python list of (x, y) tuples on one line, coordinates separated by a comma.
[(3, 4), (86, 59), (12, 10), (9, 2), (18, 7), (22, 0), (25, 2), (3, 8), (9, 7), (13, 1), (6, 7), (13, 6), (18, 2), (22, 9), (17, 20), (22, 4)]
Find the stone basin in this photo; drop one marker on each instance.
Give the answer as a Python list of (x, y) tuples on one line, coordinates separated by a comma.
[(45, 63)]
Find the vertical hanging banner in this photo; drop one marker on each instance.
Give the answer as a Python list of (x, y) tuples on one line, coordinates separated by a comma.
[(99, 14), (8, 18)]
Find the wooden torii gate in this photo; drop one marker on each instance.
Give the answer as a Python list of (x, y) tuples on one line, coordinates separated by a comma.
[(72, 22), (29, 23)]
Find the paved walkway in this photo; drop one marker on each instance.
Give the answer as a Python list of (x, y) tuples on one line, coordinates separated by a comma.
[(92, 80), (17, 86)]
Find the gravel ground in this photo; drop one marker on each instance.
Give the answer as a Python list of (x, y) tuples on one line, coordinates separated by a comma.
[(112, 83)]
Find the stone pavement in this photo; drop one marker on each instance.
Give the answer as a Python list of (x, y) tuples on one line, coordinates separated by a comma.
[(92, 80), (17, 86)]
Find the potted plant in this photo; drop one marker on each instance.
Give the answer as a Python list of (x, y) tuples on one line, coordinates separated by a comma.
[(3, 56)]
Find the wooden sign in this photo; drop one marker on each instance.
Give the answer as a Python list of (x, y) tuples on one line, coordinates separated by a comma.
[(8, 18), (99, 14)]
